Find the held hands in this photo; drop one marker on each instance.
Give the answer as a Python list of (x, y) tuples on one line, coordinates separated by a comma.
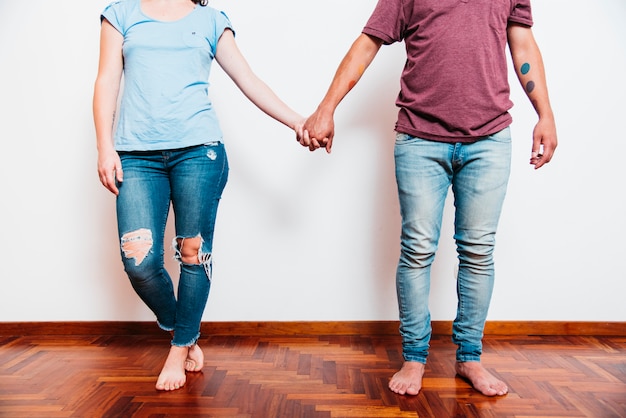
[(318, 131)]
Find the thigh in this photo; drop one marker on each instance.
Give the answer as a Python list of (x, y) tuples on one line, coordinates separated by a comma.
[(480, 183), (423, 176), (143, 202), (198, 177)]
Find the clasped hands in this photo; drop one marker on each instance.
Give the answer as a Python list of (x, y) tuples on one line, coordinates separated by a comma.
[(317, 131)]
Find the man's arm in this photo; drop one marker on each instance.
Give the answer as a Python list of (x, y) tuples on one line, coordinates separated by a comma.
[(319, 128), (530, 71)]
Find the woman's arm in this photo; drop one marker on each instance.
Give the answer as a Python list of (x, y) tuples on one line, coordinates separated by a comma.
[(531, 73), (106, 90), (235, 65)]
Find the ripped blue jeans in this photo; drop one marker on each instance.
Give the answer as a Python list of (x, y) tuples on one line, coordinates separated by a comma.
[(192, 180)]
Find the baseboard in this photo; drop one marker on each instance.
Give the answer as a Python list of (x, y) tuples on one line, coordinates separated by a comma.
[(293, 328)]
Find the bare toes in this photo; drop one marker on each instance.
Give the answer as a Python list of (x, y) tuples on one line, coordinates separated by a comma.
[(172, 375), (480, 379), (408, 380), (195, 359)]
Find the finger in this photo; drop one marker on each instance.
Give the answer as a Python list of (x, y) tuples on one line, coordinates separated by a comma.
[(119, 174), (109, 183), (299, 134), (543, 159), (536, 146), (314, 144), (536, 152), (105, 178), (112, 186), (329, 144), (305, 141)]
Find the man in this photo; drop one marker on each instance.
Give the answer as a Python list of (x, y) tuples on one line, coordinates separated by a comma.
[(452, 131)]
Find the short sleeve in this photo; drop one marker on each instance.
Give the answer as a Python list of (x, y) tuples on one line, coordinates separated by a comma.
[(114, 14), (224, 22), (387, 22), (220, 23), (522, 13)]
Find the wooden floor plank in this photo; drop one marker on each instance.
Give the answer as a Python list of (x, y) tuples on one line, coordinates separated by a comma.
[(294, 376)]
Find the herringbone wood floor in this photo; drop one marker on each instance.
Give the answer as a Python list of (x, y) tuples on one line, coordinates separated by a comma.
[(300, 376)]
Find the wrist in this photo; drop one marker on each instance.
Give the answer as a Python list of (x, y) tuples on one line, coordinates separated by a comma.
[(326, 110), (546, 115), (105, 147)]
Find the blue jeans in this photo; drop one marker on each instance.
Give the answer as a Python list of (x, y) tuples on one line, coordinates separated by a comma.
[(478, 173), (192, 179)]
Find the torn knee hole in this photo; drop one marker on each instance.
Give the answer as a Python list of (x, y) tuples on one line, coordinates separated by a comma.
[(188, 249), (137, 244)]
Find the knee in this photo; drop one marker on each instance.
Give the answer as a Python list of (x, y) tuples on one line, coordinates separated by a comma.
[(137, 256), (417, 253), (476, 251), (191, 250), (418, 243), (136, 245), (188, 249)]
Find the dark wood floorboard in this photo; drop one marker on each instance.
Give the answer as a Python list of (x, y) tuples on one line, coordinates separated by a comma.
[(306, 376)]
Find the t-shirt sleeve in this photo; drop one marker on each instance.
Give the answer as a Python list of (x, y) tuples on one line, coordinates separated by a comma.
[(221, 23), (522, 13), (114, 14), (386, 22)]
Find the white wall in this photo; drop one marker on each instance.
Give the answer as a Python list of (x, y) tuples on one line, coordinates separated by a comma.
[(306, 236)]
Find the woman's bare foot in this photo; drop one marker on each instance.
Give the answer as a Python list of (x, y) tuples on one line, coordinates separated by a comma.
[(195, 359), (173, 376), (481, 379), (408, 380)]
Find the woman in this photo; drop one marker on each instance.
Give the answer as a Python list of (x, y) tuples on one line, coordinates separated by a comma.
[(167, 148)]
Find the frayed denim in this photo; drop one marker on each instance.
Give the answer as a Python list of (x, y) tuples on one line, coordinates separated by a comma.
[(192, 180)]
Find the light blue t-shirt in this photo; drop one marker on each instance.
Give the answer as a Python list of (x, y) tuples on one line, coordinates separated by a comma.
[(165, 103)]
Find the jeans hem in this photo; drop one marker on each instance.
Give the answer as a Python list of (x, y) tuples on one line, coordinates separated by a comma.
[(164, 328), (192, 343), (466, 359), (415, 359)]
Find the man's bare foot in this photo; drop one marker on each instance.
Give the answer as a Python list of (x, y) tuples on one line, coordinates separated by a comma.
[(195, 359), (408, 380), (173, 376), (481, 379)]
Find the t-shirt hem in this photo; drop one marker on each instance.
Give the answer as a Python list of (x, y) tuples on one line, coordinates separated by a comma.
[(451, 139), (141, 147)]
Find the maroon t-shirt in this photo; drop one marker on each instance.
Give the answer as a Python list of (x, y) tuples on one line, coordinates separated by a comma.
[(454, 86)]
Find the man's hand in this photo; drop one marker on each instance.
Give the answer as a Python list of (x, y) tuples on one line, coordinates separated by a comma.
[(544, 142), (319, 130)]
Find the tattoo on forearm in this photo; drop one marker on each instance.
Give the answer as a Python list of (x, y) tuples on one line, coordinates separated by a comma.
[(530, 85), (525, 68)]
